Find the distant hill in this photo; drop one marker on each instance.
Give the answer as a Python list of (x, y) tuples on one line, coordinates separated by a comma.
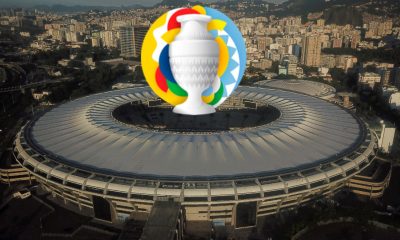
[(80, 8), (302, 7), (343, 15), (341, 12), (173, 3), (306, 6)]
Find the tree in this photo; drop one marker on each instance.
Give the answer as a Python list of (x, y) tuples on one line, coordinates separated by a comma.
[(283, 76), (88, 81), (76, 64), (138, 74), (307, 69), (251, 70), (51, 57), (370, 68), (275, 67)]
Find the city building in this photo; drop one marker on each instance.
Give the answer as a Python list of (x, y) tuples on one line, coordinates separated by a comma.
[(282, 70), (337, 43), (262, 64), (386, 137), (328, 60), (378, 65), (385, 76), (394, 101), (109, 39), (261, 43), (291, 68), (295, 50), (385, 132), (40, 95), (323, 71), (131, 39), (95, 42), (311, 51), (378, 29), (288, 68), (321, 22), (368, 80), (345, 62), (396, 77)]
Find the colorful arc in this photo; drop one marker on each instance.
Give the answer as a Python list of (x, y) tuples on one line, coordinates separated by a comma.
[(155, 56)]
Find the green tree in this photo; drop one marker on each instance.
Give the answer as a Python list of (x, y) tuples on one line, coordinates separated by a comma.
[(283, 76)]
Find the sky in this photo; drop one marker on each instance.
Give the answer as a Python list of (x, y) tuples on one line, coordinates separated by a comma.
[(30, 3)]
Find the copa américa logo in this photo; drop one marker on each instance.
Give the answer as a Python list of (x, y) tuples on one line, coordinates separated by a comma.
[(193, 58)]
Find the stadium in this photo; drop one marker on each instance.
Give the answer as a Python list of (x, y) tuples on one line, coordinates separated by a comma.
[(113, 155)]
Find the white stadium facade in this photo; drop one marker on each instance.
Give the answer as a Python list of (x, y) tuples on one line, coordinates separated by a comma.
[(114, 154)]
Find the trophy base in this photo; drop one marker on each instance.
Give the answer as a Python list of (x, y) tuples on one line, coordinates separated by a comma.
[(191, 109)]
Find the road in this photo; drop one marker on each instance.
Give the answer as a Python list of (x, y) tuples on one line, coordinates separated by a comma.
[(34, 84)]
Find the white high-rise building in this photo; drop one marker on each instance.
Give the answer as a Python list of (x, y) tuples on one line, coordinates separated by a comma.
[(131, 40)]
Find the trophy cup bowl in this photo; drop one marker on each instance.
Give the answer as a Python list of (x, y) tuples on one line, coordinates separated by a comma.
[(194, 60)]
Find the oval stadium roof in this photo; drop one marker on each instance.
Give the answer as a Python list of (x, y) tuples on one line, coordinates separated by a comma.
[(84, 133)]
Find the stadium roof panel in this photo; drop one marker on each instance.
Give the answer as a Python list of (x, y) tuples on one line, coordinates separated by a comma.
[(311, 88)]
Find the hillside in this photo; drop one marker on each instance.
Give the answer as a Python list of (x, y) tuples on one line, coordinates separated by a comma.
[(302, 7), (342, 11), (343, 15), (173, 3)]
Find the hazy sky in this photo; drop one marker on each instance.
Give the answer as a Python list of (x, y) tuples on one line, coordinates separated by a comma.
[(77, 2), (29, 3)]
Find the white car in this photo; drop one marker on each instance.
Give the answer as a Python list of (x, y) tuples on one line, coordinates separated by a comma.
[(22, 194)]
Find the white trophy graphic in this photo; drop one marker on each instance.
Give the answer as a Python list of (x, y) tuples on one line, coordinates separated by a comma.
[(194, 59)]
